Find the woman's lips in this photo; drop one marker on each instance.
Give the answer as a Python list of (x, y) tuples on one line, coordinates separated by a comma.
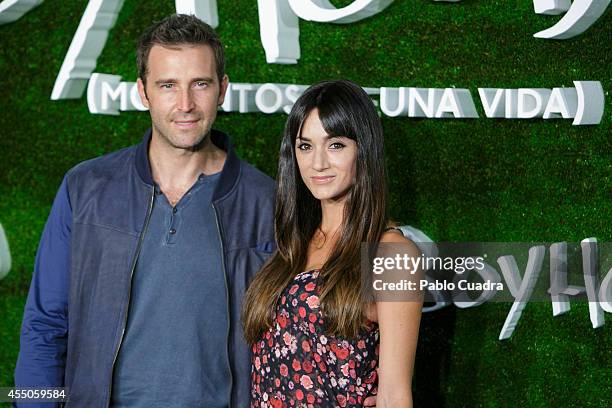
[(322, 179)]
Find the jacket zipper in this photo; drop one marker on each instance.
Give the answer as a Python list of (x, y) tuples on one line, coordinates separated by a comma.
[(227, 297), (127, 307)]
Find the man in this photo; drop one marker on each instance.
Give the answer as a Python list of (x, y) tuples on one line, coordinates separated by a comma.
[(139, 277)]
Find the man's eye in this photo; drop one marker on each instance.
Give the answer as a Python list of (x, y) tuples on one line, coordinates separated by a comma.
[(303, 146), (201, 84), (166, 86)]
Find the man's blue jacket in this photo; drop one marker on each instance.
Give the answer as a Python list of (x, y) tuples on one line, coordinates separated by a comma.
[(76, 310)]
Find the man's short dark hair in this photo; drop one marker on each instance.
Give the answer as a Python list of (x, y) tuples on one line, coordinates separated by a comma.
[(177, 30)]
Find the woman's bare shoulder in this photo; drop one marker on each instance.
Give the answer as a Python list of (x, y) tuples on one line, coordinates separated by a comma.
[(395, 236)]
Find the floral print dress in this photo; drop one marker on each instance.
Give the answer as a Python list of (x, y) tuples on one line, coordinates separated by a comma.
[(296, 365)]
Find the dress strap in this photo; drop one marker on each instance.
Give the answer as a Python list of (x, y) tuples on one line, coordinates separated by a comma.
[(392, 228)]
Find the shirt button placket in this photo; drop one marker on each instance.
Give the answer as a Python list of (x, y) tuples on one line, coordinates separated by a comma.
[(171, 237)]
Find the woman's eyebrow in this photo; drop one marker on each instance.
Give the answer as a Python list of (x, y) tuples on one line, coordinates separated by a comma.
[(326, 137)]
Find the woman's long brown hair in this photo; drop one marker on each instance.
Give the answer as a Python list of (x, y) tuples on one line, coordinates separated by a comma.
[(344, 110)]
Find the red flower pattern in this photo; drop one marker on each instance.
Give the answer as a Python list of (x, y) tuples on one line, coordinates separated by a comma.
[(296, 364)]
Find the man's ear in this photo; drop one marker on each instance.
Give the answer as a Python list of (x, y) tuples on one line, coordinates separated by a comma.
[(142, 92), (222, 89)]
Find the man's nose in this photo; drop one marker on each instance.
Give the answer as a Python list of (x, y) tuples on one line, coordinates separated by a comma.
[(185, 101)]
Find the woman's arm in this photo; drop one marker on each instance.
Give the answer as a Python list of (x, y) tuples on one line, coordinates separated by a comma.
[(398, 320)]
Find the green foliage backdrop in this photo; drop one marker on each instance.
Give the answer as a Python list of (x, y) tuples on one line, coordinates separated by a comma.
[(458, 180)]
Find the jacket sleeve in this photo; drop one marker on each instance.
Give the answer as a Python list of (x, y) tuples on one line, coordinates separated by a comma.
[(44, 331)]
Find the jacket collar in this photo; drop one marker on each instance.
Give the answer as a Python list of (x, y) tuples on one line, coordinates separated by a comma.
[(229, 173)]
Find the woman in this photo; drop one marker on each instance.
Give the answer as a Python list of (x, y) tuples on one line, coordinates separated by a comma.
[(316, 340)]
